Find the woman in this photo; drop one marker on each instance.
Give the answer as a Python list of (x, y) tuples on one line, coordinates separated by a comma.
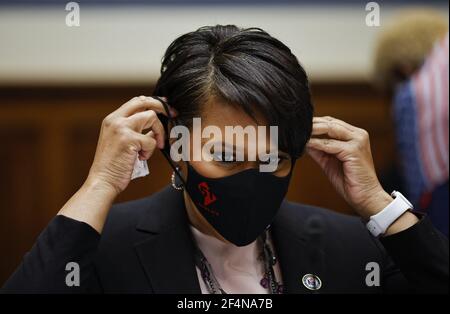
[(222, 226)]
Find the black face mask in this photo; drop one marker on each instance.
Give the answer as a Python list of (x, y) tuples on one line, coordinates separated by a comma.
[(240, 206)]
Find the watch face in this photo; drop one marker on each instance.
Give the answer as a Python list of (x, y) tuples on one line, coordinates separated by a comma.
[(400, 195)]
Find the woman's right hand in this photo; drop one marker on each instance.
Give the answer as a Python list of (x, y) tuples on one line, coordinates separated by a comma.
[(121, 141)]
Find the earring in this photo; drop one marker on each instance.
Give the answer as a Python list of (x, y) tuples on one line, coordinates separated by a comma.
[(174, 179)]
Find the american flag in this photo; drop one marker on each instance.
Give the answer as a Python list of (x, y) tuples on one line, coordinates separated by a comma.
[(421, 111)]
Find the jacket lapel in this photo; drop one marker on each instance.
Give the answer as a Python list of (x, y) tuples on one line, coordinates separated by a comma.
[(299, 253), (166, 252)]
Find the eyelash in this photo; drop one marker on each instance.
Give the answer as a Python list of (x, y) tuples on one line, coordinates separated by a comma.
[(220, 158), (232, 161)]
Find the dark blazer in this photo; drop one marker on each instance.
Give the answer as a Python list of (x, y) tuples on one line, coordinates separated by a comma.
[(146, 247)]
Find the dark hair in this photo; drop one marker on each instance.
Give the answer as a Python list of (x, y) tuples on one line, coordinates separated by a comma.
[(244, 67)]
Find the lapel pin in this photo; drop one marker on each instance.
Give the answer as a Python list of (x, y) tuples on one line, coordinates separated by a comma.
[(312, 282)]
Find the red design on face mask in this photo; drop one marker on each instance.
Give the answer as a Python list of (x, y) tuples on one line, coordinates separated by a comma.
[(208, 196)]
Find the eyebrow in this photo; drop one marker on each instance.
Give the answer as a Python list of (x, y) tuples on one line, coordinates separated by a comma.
[(224, 144)]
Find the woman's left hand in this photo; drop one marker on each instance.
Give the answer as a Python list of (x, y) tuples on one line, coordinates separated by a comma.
[(343, 152)]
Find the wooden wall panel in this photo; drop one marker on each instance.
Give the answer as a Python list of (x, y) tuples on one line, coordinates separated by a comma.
[(49, 135), (20, 194)]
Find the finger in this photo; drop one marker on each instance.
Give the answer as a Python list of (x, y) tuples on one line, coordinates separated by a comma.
[(318, 156), (148, 145), (148, 119), (333, 130), (140, 103), (172, 111), (335, 120), (329, 146)]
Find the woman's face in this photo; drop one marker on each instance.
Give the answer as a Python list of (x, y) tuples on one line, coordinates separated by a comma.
[(221, 115), (223, 162)]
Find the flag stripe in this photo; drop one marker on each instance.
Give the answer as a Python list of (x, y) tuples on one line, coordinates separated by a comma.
[(430, 87)]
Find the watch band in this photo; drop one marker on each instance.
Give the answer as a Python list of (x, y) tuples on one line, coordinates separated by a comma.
[(379, 223)]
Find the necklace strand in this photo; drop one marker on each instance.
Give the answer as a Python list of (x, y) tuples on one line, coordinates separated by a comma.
[(268, 281)]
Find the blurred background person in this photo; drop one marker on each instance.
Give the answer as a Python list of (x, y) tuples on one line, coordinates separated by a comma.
[(412, 65)]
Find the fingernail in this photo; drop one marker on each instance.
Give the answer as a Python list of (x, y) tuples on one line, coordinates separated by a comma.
[(172, 112)]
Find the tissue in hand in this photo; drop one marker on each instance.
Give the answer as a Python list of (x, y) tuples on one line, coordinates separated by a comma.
[(140, 169)]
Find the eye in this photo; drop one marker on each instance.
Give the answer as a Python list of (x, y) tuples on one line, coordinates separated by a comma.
[(278, 159), (266, 162), (223, 157)]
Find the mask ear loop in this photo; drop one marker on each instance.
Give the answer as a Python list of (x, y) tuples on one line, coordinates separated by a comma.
[(293, 161), (166, 153)]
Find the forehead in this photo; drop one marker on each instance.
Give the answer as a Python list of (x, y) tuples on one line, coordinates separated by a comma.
[(221, 114), (226, 117)]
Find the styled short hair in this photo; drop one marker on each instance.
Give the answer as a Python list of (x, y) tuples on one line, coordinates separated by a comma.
[(247, 68)]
